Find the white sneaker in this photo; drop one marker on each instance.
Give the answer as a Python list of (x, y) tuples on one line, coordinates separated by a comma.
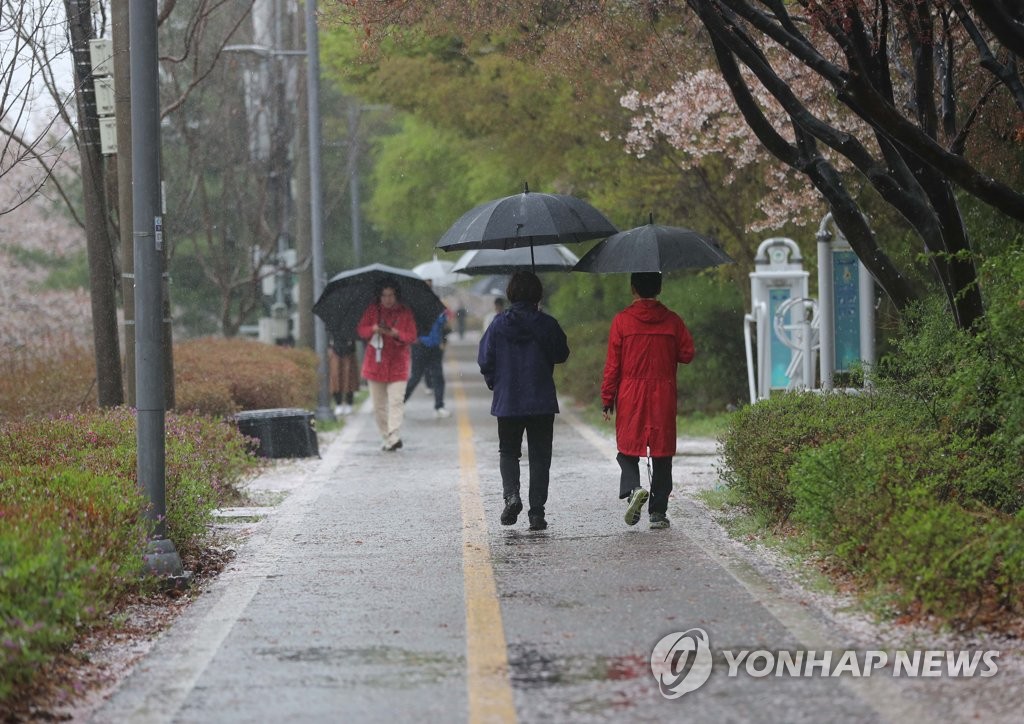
[(441, 412), (346, 409), (339, 410)]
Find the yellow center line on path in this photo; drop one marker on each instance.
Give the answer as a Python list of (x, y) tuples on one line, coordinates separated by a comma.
[(488, 684)]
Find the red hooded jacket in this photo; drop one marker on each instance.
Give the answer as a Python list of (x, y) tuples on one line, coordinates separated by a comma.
[(395, 355), (646, 342)]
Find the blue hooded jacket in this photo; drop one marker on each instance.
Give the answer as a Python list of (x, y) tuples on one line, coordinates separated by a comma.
[(517, 357)]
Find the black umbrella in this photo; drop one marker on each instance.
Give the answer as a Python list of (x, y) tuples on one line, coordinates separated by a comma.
[(653, 248), (348, 294), (526, 219), (555, 257)]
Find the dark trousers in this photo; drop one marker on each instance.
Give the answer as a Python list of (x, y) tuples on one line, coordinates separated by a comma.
[(426, 364), (539, 431), (661, 480)]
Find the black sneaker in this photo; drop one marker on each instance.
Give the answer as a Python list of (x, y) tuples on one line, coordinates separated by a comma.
[(636, 503), (537, 522), (513, 507), (397, 445), (659, 520)]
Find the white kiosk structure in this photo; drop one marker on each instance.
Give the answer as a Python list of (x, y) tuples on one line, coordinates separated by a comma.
[(785, 337), (847, 302), (788, 328)]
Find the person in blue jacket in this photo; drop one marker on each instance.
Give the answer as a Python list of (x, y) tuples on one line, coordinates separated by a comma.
[(427, 362), (517, 357)]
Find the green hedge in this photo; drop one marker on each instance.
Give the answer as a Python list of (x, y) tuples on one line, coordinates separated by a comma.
[(73, 524)]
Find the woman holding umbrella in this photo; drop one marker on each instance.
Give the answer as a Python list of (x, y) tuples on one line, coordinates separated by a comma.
[(388, 327)]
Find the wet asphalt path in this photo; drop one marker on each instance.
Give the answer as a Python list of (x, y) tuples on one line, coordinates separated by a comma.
[(383, 589)]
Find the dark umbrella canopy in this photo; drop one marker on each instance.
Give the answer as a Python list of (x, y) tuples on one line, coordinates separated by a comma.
[(526, 219), (653, 248), (347, 295), (555, 257)]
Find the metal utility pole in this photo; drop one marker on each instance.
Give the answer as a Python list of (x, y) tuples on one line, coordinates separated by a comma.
[(303, 244), (316, 221), (353, 181), (161, 557)]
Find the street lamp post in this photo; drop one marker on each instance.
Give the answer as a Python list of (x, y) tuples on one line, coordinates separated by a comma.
[(161, 558), (323, 409), (312, 52)]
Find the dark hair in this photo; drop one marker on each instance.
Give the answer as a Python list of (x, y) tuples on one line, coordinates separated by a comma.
[(646, 284), (524, 286), (388, 283)]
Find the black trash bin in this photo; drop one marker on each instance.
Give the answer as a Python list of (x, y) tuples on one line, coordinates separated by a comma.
[(283, 432)]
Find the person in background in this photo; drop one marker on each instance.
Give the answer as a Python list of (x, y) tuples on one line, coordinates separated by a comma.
[(388, 327), (499, 307), (427, 362), (344, 374), (646, 342), (517, 357), (460, 321)]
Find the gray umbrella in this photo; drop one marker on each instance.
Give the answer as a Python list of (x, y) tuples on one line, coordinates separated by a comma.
[(347, 295), (526, 219), (555, 257), (653, 248), (495, 284)]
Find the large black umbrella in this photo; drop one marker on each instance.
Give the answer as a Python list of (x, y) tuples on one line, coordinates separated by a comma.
[(653, 248), (527, 219), (347, 295), (555, 257)]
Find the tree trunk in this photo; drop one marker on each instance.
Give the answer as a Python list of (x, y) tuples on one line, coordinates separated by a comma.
[(98, 232), (123, 112), (303, 230)]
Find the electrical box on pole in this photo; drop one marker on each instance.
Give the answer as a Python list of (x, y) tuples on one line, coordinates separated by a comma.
[(101, 58)]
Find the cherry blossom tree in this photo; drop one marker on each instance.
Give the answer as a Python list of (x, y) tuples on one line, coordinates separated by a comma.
[(920, 100), (909, 69)]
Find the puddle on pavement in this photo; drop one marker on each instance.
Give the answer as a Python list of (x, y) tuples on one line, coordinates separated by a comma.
[(376, 665), (530, 668), (515, 538)]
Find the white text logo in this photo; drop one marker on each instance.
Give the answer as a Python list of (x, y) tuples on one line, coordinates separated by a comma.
[(681, 662)]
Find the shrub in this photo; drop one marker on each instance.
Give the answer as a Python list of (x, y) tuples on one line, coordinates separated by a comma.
[(40, 382), (72, 524), (217, 376), (70, 542), (846, 492), (212, 376), (951, 561), (765, 440), (204, 458)]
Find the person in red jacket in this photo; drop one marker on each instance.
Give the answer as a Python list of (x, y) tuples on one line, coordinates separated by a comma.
[(646, 342), (388, 328)]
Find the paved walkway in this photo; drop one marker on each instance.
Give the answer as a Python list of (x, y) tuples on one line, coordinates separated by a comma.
[(382, 589)]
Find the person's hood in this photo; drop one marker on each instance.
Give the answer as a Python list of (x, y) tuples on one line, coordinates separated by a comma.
[(519, 322), (648, 311)]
